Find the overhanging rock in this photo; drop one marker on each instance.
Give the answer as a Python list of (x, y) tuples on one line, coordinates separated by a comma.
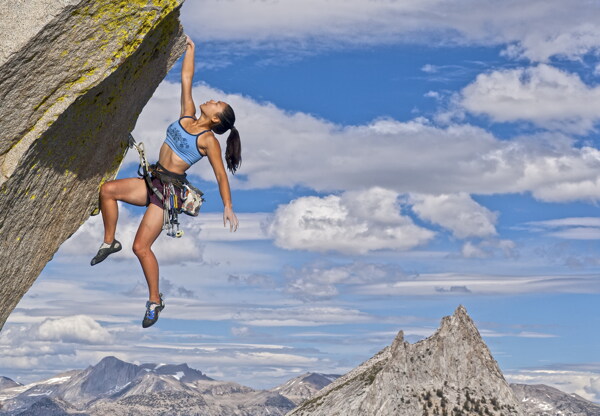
[(74, 76)]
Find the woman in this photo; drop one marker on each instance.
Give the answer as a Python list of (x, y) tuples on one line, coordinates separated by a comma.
[(188, 140)]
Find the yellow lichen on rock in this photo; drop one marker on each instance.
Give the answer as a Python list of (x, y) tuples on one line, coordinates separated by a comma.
[(131, 21)]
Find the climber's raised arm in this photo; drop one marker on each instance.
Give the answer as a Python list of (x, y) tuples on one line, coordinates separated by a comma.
[(188, 108)]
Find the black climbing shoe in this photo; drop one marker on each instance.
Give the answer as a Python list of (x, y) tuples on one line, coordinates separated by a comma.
[(153, 309), (104, 252)]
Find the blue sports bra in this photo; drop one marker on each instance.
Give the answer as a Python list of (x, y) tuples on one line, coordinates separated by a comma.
[(184, 144)]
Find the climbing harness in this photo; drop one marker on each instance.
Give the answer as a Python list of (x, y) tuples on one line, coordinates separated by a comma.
[(191, 198)]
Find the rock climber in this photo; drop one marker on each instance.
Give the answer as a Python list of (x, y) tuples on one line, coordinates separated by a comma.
[(188, 140)]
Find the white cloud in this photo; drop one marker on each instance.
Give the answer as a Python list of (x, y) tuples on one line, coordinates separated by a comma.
[(568, 34), (302, 316), (594, 387), (354, 222), (52, 344), (458, 213), (578, 228), (577, 233), (314, 282), (487, 333), (240, 331), (78, 328), (584, 383), (567, 222), (537, 30), (544, 95), (429, 68), (34, 359), (482, 284), (209, 227), (292, 149), (489, 248), (471, 250)]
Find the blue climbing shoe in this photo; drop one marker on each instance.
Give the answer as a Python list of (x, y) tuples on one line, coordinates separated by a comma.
[(105, 251), (153, 309)]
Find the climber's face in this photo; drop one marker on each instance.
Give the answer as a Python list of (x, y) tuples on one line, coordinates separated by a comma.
[(212, 108)]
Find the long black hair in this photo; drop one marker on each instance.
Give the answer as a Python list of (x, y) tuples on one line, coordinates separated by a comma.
[(233, 151)]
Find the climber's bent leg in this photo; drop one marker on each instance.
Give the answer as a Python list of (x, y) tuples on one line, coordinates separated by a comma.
[(147, 233), (130, 190)]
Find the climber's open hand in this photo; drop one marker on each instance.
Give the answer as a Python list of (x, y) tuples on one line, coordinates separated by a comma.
[(229, 215)]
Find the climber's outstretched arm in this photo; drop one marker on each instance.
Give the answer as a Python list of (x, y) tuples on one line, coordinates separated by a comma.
[(188, 108), (213, 152)]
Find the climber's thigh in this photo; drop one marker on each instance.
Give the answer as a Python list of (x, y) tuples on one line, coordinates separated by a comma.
[(130, 190)]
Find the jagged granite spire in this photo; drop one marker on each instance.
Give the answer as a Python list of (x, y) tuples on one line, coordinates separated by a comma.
[(450, 373)]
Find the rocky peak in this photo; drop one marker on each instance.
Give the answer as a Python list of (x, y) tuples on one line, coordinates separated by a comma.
[(7, 383), (107, 375), (452, 372), (181, 372), (304, 386)]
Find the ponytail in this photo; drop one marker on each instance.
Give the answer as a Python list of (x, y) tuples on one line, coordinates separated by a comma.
[(233, 151)]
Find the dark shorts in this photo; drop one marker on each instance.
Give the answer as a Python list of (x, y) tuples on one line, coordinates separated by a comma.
[(154, 199)]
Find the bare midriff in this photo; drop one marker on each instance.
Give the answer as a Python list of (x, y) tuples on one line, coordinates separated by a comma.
[(170, 161)]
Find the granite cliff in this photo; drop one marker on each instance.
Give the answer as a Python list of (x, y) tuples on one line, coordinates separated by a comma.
[(74, 76)]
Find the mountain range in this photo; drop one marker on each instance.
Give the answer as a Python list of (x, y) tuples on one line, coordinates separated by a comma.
[(450, 373)]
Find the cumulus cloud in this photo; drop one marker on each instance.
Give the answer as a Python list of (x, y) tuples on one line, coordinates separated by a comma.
[(544, 95), (537, 30), (407, 157), (78, 328), (581, 381), (458, 213), (354, 222), (54, 343)]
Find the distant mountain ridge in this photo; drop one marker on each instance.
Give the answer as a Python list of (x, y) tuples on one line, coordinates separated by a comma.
[(451, 373), (6, 383), (302, 388), (114, 387), (542, 400)]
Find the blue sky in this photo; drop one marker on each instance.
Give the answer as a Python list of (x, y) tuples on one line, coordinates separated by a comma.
[(399, 159)]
